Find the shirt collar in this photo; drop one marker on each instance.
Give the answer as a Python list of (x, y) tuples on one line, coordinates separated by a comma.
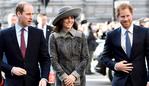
[(130, 29), (40, 26), (18, 28)]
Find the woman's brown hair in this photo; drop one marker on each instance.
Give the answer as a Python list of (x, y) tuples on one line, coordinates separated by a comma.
[(59, 25)]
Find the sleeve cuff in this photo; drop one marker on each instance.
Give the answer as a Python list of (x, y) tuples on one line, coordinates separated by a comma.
[(115, 67), (74, 73), (62, 77)]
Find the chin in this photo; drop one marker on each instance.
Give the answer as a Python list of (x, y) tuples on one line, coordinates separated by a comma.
[(68, 27), (126, 25)]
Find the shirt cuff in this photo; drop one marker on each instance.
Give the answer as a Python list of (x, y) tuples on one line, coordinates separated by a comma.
[(115, 67), (11, 72), (44, 79)]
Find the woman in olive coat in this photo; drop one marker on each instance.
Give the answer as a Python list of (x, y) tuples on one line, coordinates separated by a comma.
[(68, 49)]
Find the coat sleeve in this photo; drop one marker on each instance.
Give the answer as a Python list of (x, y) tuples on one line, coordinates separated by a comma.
[(1, 55), (147, 50), (107, 55), (54, 58), (44, 58)]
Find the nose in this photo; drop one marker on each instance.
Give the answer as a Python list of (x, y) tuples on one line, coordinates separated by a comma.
[(31, 17)]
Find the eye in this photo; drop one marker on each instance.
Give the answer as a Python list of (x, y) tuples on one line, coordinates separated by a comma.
[(127, 15)]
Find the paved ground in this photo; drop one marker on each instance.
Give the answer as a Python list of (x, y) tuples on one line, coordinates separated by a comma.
[(97, 79)]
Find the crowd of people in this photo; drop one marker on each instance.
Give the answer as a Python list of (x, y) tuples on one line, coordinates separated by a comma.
[(27, 52)]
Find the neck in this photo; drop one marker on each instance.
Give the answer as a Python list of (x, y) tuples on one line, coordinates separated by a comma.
[(66, 30), (21, 25)]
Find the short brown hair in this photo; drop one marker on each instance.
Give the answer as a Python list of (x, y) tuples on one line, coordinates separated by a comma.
[(122, 7), (20, 7)]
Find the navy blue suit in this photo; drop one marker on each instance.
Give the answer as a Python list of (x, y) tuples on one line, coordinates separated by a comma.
[(36, 53), (139, 51)]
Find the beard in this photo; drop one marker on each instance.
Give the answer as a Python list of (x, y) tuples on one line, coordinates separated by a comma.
[(126, 24)]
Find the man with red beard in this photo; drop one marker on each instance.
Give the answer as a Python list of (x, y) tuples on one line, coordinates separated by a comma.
[(128, 45)]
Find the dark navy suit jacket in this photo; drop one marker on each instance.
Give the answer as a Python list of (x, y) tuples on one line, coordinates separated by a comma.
[(139, 51), (36, 53)]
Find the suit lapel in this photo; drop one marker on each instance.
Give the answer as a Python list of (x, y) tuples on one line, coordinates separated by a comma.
[(15, 41), (118, 37), (119, 41), (135, 38), (30, 35)]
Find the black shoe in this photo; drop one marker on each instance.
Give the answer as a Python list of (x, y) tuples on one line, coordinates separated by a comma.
[(101, 70)]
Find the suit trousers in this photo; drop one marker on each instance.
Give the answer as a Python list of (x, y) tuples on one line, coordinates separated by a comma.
[(129, 82), (8, 82)]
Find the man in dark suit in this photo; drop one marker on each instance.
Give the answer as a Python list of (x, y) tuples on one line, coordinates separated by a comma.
[(25, 47), (42, 20), (125, 50)]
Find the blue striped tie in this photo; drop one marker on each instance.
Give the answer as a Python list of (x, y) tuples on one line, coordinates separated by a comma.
[(128, 44)]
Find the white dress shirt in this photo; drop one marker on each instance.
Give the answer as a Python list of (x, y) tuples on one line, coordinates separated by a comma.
[(123, 36), (42, 28), (18, 34)]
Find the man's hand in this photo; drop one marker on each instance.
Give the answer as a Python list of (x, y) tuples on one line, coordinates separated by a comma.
[(124, 66), (18, 71), (2, 83), (43, 82), (147, 84), (69, 81)]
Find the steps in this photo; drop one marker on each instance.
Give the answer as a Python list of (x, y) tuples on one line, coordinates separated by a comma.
[(94, 10)]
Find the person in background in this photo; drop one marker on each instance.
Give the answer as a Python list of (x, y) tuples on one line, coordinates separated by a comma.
[(68, 49), (0, 25), (1, 76), (25, 47), (92, 44), (144, 22), (126, 50), (84, 27), (12, 19), (42, 20)]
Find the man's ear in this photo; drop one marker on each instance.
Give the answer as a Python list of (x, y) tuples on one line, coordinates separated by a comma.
[(18, 13)]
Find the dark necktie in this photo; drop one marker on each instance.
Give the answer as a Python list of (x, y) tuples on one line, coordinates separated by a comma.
[(23, 48), (128, 44)]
